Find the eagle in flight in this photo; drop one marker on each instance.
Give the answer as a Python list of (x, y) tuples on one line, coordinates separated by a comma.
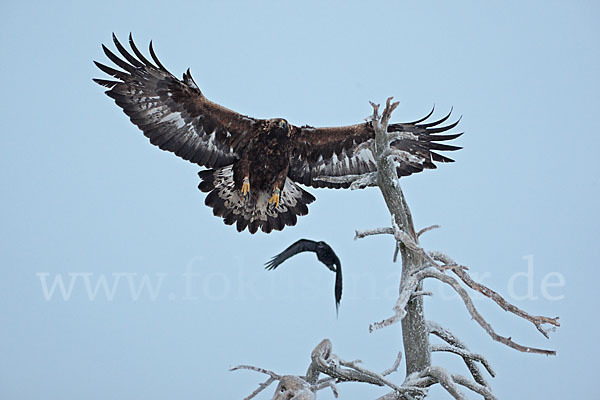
[(254, 165)]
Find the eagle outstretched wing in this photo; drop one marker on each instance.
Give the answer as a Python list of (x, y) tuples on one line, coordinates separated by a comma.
[(173, 113), (350, 150)]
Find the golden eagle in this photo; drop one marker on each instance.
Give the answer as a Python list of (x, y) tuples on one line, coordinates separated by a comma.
[(254, 165)]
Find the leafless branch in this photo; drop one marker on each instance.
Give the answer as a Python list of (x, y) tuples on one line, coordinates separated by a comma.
[(327, 383), (435, 374), (394, 367), (260, 388), (452, 340), (402, 156), (257, 369), (370, 232), (406, 240), (430, 273), (387, 113), (367, 145), (356, 181), (538, 321), (354, 365), (465, 354), (293, 387), (427, 229), (336, 369), (375, 115), (474, 386), (409, 285), (394, 136), (272, 378), (421, 293), (324, 361), (445, 381)]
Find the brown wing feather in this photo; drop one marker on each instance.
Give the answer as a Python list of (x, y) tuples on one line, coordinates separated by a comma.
[(350, 150), (174, 114), (313, 144)]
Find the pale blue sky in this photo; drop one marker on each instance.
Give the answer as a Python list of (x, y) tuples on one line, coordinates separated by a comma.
[(85, 193)]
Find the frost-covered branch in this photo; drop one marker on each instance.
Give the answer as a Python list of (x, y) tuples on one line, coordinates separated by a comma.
[(427, 229), (395, 136), (323, 361), (402, 156), (474, 386), (355, 181), (370, 232), (391, 137), (402, 238), (538, 321), (467, 355), (272, 378), (294, 387), (445, 380), (411, 282), (450, 382), (394, 366), (470, 361), (408, 287), (430, 273), (422, 293)]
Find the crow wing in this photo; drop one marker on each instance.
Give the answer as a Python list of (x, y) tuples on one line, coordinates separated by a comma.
[(173, 113), (350, 150), (298, 247)]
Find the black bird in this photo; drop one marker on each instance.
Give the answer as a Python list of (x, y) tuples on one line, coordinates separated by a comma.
[(325, 254)]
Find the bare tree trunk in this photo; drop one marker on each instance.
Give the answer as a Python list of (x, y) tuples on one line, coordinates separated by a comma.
[(414, 331)]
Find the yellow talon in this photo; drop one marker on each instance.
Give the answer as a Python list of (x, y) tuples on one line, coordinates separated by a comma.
[(275, 198), (246, 186)]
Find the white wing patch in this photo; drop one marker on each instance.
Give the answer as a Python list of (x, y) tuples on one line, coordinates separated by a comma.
[(354, 161), (174, 130), (175, 118), (347, 163)]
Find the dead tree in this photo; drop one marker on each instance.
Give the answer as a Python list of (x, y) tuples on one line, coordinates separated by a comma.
[(417, 265)]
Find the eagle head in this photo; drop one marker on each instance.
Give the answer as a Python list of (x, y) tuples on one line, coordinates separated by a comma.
[(280, 127)]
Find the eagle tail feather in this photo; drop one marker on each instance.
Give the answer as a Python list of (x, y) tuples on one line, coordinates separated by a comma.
[(228, 203)]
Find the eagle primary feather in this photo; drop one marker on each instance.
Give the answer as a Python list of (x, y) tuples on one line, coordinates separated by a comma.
[(253, 164)]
